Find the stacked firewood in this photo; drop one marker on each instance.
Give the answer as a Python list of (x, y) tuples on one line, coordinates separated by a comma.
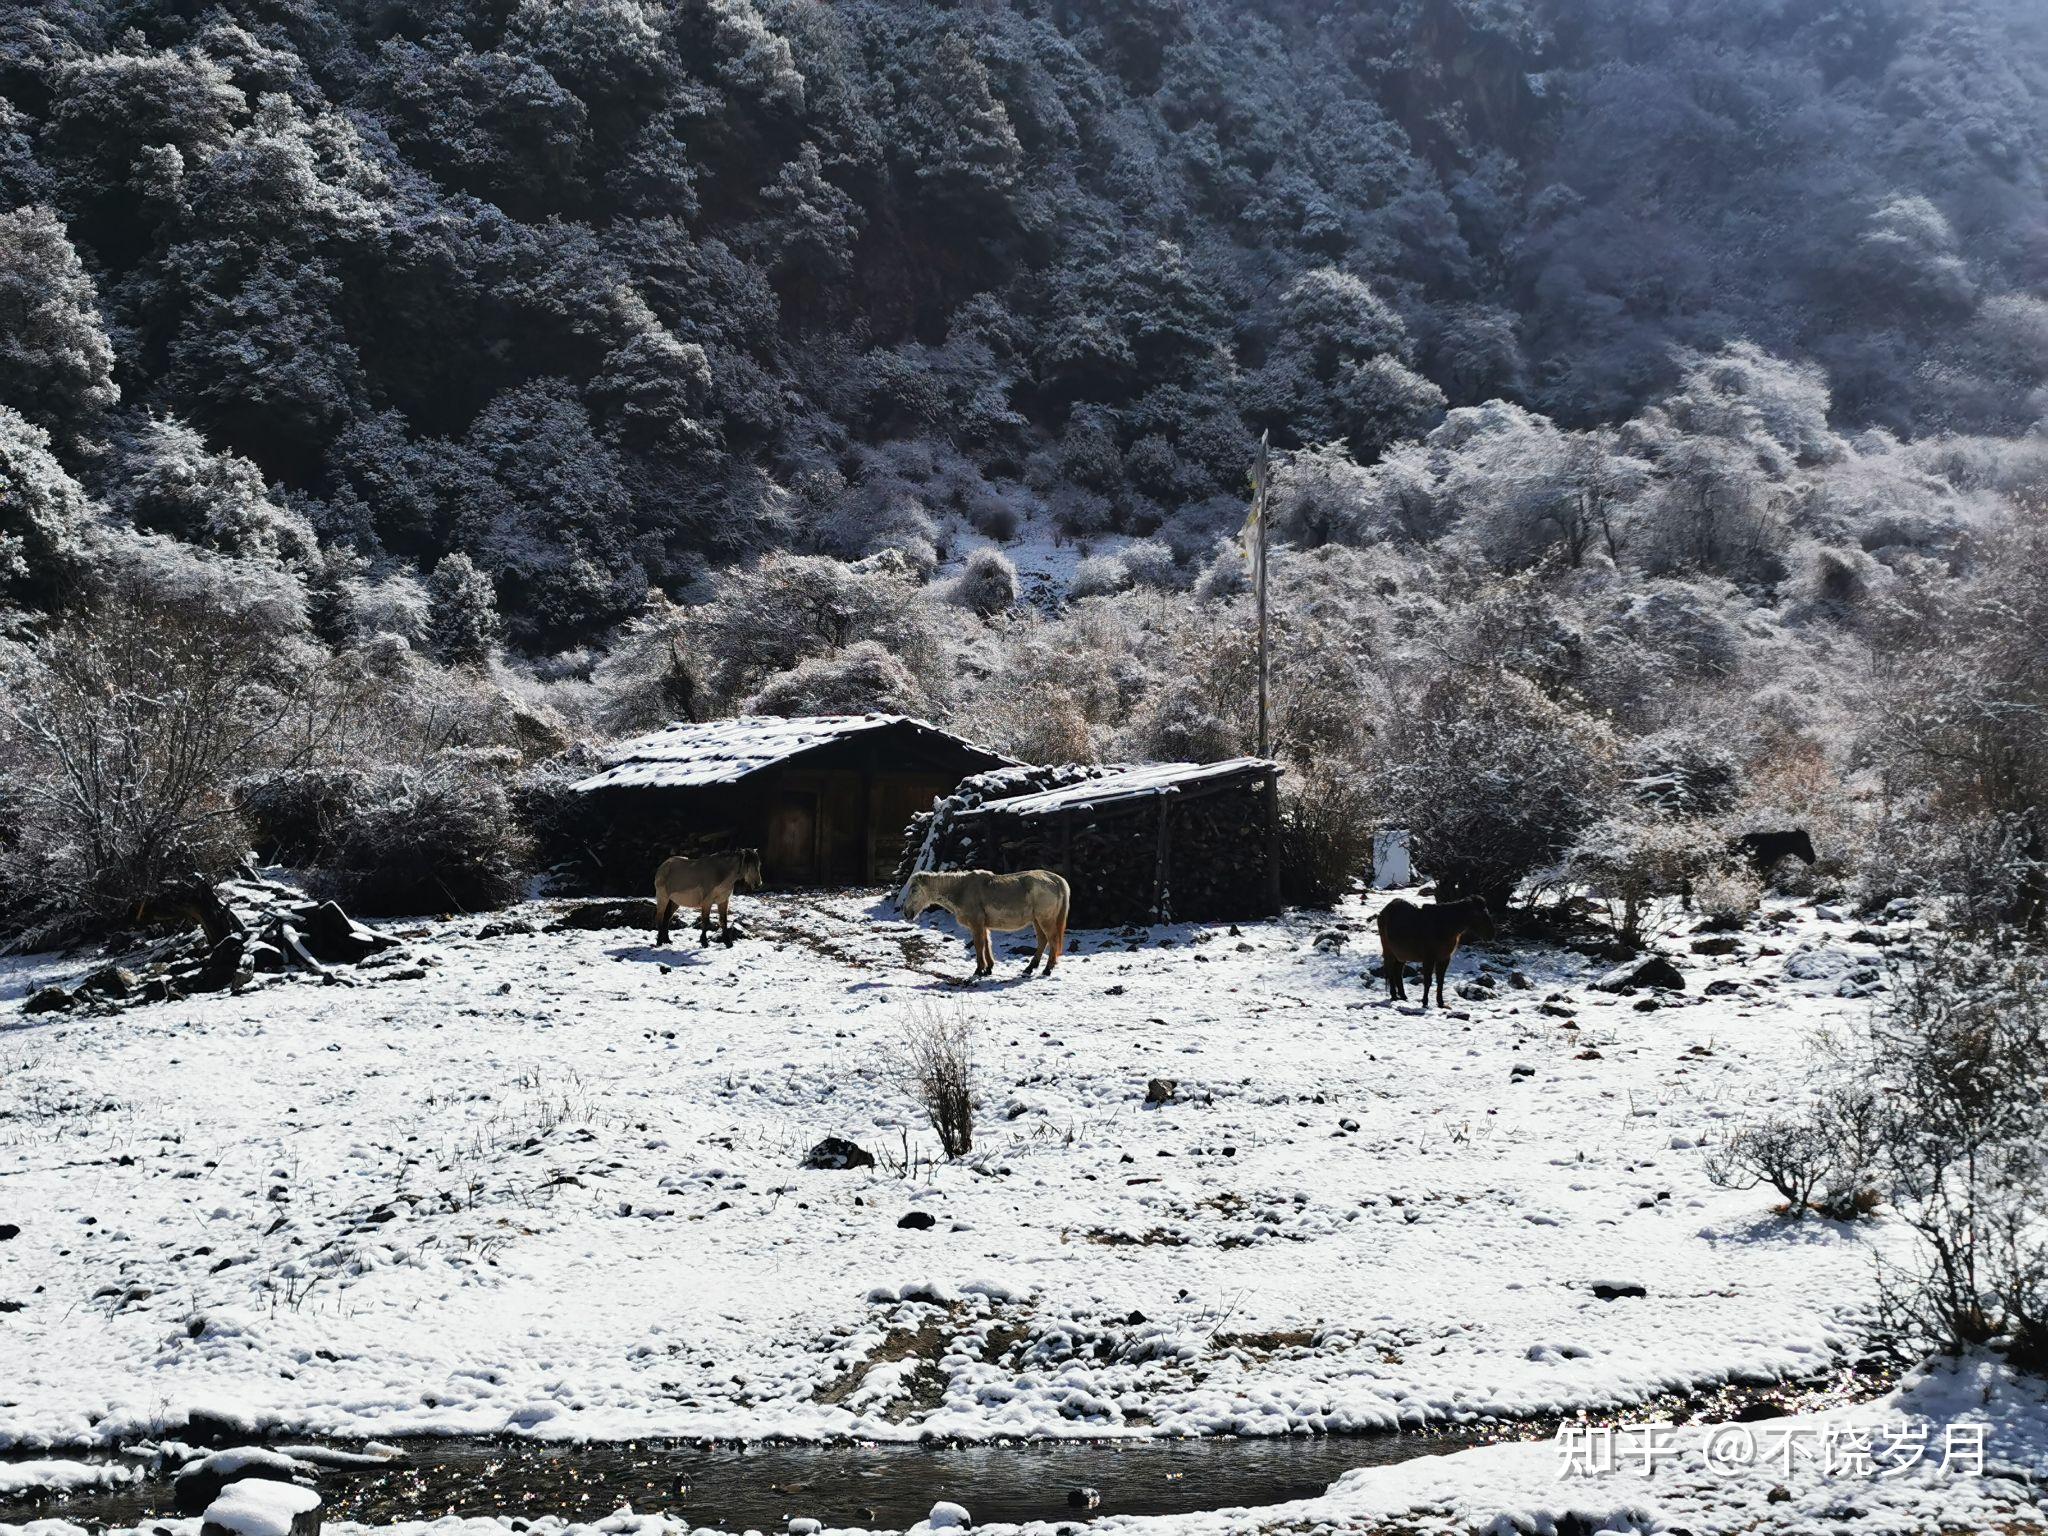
[(1219, 853), (940, 839)]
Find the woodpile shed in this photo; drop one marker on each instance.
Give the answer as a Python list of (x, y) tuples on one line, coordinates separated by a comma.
[(1162, 842)]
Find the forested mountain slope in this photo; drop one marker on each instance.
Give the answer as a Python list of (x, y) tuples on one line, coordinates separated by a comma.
[(597, 291)]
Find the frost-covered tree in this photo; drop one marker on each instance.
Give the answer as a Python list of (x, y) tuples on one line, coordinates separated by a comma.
[(45, 517), (462, 612), (56, 363)]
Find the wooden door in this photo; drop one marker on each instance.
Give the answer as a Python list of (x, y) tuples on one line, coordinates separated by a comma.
[(791, 857)]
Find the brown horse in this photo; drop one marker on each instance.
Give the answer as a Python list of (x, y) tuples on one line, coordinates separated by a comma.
[(703, 884), (1428, 936)]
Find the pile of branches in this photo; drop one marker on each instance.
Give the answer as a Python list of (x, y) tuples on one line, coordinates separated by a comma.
[(247, 928)]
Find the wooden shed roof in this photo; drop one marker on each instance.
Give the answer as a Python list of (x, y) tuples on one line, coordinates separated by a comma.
[(695, 754), (1141, 783)]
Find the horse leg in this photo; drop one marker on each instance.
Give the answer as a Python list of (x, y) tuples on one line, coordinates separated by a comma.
[(663, 912), (1038, 930), (704, 925), (984, 952), (1059, 942), (725, 919), (1442, 966)]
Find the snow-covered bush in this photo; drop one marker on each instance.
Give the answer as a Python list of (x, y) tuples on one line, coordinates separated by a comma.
[(1097, 576), (293, 815), (860, 679), (987, 583), (437, 838), (124, 726), (1494, 780)]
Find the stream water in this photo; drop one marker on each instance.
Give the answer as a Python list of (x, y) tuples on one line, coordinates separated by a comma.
[(762, 1486)]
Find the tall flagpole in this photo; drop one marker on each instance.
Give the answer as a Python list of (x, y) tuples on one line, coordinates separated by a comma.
[(1259, 579)]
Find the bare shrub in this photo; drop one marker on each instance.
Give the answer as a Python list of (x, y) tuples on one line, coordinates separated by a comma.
[(1641, 867), (1961, 1051), (293, 814), (430, 839), (862, 678), (934, 1064), (1326, 829), (1823, 1159)]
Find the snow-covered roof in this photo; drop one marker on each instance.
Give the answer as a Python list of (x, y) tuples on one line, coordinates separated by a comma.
[(691, 754), (1140, 783)]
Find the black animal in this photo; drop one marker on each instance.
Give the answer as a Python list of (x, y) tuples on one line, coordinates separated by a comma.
[(1763, 850), (1428, 936)]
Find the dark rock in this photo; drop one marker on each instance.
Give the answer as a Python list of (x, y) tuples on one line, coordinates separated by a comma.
[(1647, 1005), (1083, 1498), (48, 1000), (1779, 1494), (1160, 1089), (838, 1153), (1135, 1320), (205, 1427), (1643, 971), (1347, 1124), (109, 981), (8, 1231), (1868, 936), (1520, 981), (200, 1482), (917, 1221), (333, 939), (1722, 986), (1615, 1290), (1555, 1010), (1517, 1073), (1716, 944)]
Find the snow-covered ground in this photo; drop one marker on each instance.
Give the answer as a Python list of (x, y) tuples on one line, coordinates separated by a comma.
[(553, 1186)]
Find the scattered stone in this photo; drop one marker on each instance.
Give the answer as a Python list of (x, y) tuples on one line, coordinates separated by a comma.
[(803, 1525), (1555, 1010), (1643, 971), (946, 1517), (1722, 986), (1517, 1073), (1520, 981), (1716, 944), (837, 1152), (205, 1426), (48, 1000), (1615, 1290), (1161, 1089), (917, 1221), (1083, 1498), (1647, 1005), (1589, 1054), (8, 1231), (1347, 1124), (1779, 1494)]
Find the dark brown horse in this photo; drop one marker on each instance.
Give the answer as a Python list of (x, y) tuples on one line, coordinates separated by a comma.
[(1764, 850), (1427, 936)]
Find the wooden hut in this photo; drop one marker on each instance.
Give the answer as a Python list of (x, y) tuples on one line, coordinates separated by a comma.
[(1165, 842), (824, 797)]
